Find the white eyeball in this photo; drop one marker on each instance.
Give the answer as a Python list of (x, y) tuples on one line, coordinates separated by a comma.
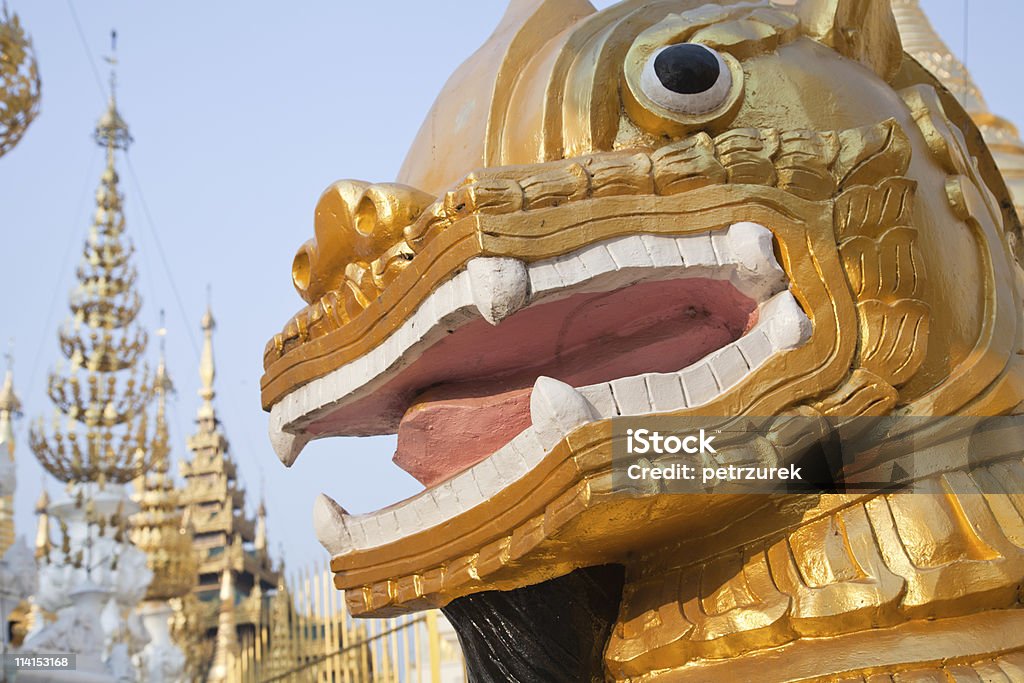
[(688, 78)]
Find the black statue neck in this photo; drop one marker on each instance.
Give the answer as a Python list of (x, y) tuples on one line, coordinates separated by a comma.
[(554, 632)]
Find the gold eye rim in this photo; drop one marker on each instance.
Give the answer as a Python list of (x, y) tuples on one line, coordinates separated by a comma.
[(661, 120)]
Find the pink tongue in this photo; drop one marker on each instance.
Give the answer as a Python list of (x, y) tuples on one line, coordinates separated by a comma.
[(440, 437), (581, 340)]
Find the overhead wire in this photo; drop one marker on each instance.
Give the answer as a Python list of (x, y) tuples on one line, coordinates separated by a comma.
[(160, 251), (967, 26), (88, 52)]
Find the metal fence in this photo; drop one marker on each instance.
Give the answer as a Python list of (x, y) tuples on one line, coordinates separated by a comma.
[(308, 635)]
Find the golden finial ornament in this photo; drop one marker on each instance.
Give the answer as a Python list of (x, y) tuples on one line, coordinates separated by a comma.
[(9, 402), (207, 368), (260, 544), (10, 409), (43, 542), (20, 84), (102, 398)]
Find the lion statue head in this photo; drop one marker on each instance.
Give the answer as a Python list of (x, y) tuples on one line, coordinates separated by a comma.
[(676, 209)]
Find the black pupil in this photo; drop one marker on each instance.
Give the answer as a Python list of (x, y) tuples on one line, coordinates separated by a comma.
[(686, 68)]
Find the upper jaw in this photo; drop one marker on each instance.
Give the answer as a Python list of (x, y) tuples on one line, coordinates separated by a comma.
[(370, 394)]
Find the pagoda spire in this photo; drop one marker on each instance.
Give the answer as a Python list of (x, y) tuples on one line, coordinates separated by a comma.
[(923, 43), (207, 370), (10, 409), (261, 527), (228, 540), (159, 528), (226, 646), (100, 399)]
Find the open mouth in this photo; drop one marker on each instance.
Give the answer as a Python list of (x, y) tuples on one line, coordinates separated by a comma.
[(506, 358)]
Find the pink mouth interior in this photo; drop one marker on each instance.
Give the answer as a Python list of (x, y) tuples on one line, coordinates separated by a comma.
[(469, 394)]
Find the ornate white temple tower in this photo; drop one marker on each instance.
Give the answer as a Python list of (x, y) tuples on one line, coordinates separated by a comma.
[(97, 443)]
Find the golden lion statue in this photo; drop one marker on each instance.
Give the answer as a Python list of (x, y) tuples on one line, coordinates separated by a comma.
[(669, 208)]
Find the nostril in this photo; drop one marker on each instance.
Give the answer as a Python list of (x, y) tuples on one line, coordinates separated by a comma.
[(301, 270), (366, 216)]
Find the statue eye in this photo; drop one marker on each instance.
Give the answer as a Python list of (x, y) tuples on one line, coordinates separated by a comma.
[(688, 78)]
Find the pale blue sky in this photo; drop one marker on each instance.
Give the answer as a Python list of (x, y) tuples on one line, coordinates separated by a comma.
[(242, 113)]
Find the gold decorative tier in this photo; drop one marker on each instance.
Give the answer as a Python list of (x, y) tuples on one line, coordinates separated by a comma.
[(99, 430), (20, 84)]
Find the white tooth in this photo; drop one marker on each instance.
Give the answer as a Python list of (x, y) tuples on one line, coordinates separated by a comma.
[(666, 392), (596, 259), (510, 463), (463, 487), (440, 301), (487, 477), (728, 366), (529, 446), (699, 384), (389, 524), (375, 533), (631, 395), (329, 522), (697, 251), (556, 409), (753, 247), (500, 286), (447, 498), (571, 270), (407, 518), (755, 347), (629, 252), (287, 446), (662, 250), (357, 527), (600, 396), (784, 322), (427, 509), (544, 278)]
